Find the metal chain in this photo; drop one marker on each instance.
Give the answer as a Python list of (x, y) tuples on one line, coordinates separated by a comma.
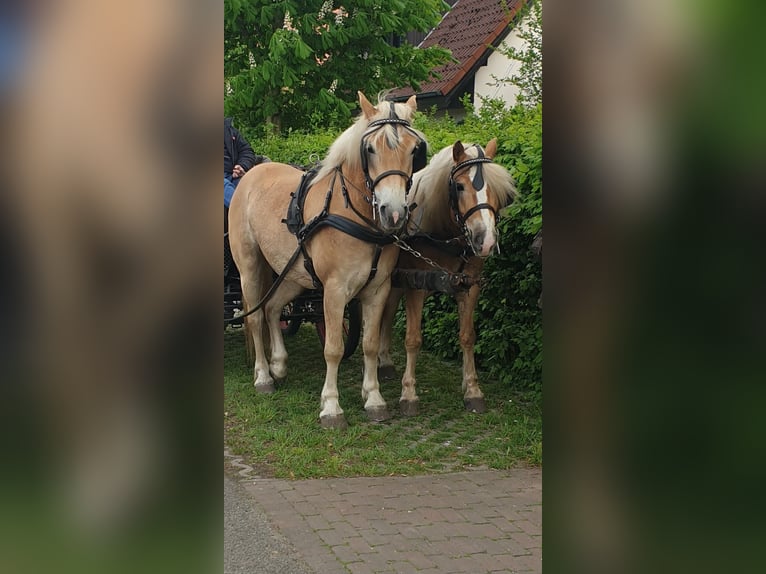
[(481, 281), (402, 245)]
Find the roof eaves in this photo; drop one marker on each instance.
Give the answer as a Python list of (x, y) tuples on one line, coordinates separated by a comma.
[(469, 63)]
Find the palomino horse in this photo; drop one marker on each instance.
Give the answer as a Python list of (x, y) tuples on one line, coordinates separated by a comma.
[(457, 196), (354, 205)]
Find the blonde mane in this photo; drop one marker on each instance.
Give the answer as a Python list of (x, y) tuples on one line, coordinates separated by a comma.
[(345, 150), (430, 188)]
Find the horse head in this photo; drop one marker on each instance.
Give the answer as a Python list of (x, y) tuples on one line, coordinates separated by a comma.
[(391, 151), (478, 188)]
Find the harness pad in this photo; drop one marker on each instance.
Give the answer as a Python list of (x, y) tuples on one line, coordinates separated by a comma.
[(294, 219)]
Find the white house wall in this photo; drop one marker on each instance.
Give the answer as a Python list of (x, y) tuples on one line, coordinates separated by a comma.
[(500, 66)]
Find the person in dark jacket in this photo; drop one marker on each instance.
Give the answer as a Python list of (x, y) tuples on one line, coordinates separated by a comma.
[(238, 158)]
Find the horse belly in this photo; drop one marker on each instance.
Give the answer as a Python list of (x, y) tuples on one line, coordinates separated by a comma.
[(268, 195)]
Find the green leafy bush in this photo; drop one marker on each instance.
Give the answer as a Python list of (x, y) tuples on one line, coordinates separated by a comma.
[(508, 319)]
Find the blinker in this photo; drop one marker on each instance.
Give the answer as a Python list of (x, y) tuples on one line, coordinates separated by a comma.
[(478, 179)]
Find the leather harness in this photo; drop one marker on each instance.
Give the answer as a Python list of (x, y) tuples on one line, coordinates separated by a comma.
[(303, 231), (367, 233)]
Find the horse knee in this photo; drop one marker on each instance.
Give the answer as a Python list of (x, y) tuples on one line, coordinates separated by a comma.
[(371, 344), (413, 342), (332, 353), (468, 338)]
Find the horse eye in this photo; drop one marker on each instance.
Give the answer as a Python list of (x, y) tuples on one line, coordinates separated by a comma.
[(460, 187), (370, 149)]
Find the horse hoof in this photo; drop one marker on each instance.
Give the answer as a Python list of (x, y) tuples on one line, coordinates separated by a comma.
[(265, 388), (475, 405), (378, 414), (386, 373), (277, 380), (334, 422), (409, 408)]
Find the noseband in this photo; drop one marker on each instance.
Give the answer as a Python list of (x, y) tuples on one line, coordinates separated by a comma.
[(477, 183)]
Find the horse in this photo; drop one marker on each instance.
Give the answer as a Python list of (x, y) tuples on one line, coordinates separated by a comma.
[(353, 205), (457, 197)]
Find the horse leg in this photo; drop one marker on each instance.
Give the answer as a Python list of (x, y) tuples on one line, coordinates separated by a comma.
[(331, 415), (386, 368), (373, 302), (473, 398), (254, 324), (409, 401), (273, 310)]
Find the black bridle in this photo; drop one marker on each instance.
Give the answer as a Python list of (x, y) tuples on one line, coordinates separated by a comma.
[(418, 160), (477, 182)]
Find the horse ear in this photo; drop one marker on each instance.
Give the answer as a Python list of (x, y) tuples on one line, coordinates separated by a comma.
[(368, 109), (412, 103), (491, 148), (458, 151)]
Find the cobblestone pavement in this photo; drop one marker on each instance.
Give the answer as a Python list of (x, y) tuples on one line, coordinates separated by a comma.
[(251, 543), (469, 522)]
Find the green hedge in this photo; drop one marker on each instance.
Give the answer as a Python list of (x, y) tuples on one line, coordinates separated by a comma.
[(508, 320)]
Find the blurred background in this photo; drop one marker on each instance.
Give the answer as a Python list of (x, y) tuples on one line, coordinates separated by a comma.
[(110, 396), (654, 320)]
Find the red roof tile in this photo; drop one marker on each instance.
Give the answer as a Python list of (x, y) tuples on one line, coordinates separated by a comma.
[(467, 29)]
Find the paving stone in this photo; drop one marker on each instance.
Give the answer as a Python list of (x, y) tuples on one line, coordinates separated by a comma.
[(529, 562), (529, 528), (360, 545), (525, 540), (404, 568), (318, 522)]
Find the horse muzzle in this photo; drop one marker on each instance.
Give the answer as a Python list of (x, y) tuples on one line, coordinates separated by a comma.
[(483, 244), (392, 218)]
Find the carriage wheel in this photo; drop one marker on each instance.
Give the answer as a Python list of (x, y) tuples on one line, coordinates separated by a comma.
[(289, 326), (352, 328)]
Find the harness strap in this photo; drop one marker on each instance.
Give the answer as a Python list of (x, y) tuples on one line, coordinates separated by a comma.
[(343, 224), (440, 281), (476, 208), (350, 204), (406, 176), (374, 268), (354, 229)]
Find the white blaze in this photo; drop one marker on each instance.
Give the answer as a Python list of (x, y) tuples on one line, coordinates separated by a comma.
[(481, 197)]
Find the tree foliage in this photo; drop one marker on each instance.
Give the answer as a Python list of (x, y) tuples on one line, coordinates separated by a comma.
[(299, 64), (529, 78)]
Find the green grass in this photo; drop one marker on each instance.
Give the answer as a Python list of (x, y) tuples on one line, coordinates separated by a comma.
[(280, 433)]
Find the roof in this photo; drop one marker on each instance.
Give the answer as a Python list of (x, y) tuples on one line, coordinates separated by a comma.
[(467, 30)]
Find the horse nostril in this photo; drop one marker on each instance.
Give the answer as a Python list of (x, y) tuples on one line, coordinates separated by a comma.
[(478, 239)]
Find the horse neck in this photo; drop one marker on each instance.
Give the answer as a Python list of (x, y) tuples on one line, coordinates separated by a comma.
[(356, 188)]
